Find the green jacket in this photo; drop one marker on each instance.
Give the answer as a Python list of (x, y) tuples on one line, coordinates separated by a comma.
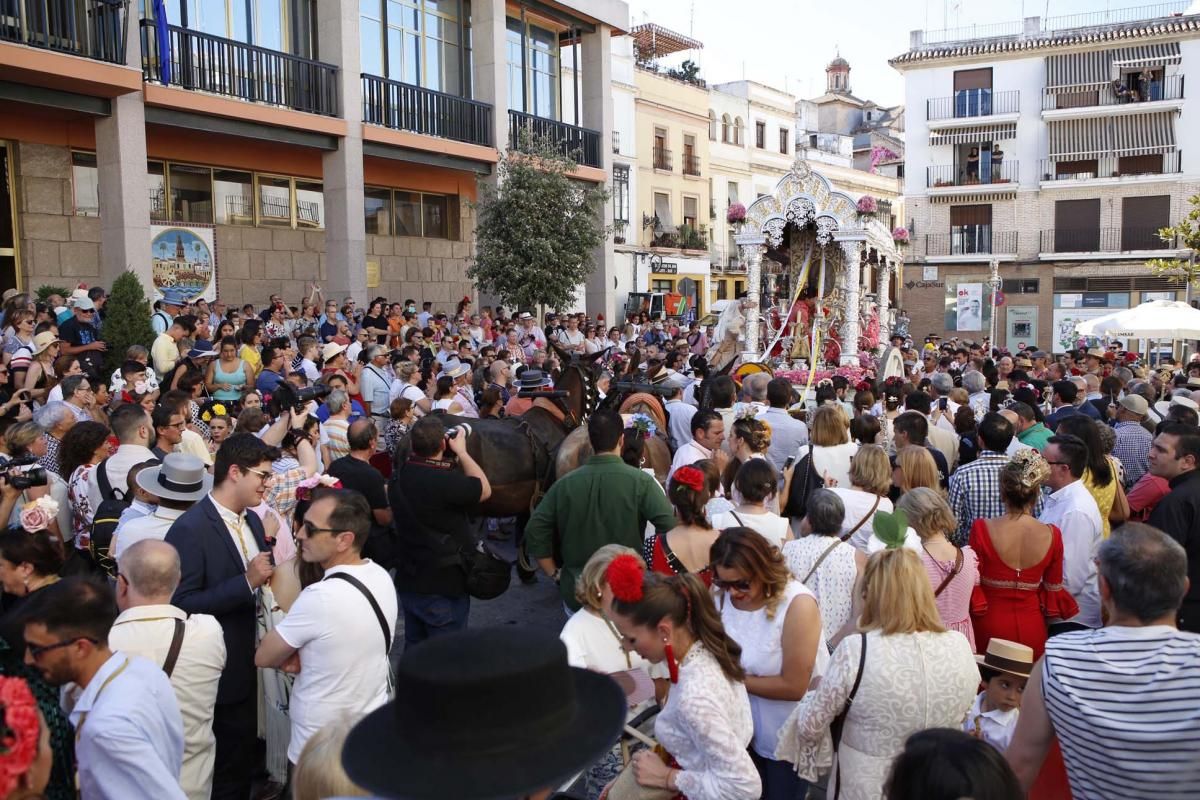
[(605, 501), (1036, 436)]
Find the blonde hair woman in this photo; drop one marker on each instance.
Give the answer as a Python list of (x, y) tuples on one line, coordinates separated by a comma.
[(826, 457), (319, 772), (40, 377), (953, 571), (911, 674), (409, 374), (915, 467), (870, 482)]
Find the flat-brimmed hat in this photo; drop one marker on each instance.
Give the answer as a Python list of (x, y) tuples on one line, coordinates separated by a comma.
[(524, 316), (1024, 362), (1095, 352), (1135, 403), (332, 349), (1010, 657), (454, 370), (44, 340), (179, 477), (1162, 406), (465, 723), (173, 297), (532, 379)]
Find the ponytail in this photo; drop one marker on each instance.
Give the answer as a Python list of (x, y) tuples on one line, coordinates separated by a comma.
[(705, 624)]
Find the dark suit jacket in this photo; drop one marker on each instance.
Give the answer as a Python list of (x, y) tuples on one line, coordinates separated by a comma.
[(213, 582)]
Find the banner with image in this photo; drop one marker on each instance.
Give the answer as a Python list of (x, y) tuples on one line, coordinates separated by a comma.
[(184, 259), (1065, 319), (970, 307)]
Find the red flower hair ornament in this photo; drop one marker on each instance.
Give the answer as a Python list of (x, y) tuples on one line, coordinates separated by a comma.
[(625, 575), (689, 477), (18, 732)]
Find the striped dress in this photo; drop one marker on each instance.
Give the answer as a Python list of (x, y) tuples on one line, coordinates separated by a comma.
[(1125, 703)]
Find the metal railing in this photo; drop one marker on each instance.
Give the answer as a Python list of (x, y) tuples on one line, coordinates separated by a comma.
[(1111, 93), (1104, 240), (661, 158), (967, 103), (582, 144), (967, 240), (405, 107), (223, 66), (979, 175), (1110, 167), (1114, 16), (93, 28), (681, 239), (691, 164)]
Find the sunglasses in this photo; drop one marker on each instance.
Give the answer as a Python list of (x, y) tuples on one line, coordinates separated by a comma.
[(737, 586)]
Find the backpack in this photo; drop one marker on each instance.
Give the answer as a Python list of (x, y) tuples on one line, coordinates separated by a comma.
[(104, 523)]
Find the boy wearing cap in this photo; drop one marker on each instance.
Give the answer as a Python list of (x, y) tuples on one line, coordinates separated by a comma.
[(1005, 671)]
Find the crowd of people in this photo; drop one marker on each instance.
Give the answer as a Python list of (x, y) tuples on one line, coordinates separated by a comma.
[(212, 550)]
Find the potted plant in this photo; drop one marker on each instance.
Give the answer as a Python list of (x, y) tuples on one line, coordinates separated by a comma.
[(900, 237), (867, 207), (735, 214)]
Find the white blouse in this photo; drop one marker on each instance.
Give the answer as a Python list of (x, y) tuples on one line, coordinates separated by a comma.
[(707, 726), (833, 461), (774, 528), (833, 582)]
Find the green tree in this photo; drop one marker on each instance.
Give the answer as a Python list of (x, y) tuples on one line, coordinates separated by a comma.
[(1187, 233), (536, 228), (688, 71), (126, 319)]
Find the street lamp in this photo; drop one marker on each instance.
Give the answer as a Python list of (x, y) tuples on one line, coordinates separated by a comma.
[(994, 285)]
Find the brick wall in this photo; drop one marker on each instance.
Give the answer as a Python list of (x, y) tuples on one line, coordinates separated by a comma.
[(57, 247)]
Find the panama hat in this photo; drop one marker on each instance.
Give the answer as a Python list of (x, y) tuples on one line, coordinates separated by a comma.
[(454, 370), (532, 379), (1135, 403), (173, 297), (178, 477), (331, 350), (1162, 406), (1010, 657), (43, 340), (468, 723)]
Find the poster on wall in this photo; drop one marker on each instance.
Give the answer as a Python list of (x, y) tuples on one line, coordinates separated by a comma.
[(970, 307), (1065, 320), (184, 259)]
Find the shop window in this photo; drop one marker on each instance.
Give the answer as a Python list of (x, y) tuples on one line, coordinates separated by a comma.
[(433, 216), (85, 180), (233, 193), (274, 201), (664, 285), (378, 209), (310, 205), (191, 193), (156, 180)]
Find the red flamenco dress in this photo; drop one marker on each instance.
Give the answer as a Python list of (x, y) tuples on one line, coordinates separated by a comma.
[(1014, 604), (662, 560)]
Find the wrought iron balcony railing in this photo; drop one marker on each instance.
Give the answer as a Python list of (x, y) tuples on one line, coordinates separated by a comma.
[(92, 28), (583, 144), (405, 107)]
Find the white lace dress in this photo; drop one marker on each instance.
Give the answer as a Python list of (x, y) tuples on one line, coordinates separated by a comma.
[(910, 682), (833, 582), (707, 726)]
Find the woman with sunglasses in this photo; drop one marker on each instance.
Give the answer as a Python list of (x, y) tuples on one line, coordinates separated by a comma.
[(776, 621)]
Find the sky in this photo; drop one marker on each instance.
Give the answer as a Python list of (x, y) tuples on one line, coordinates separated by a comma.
[(787, 43)]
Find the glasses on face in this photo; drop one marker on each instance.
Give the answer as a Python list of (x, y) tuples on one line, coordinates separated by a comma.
[(180, 426), (38, 650), (261, 473), (737, 586), (311, 530)]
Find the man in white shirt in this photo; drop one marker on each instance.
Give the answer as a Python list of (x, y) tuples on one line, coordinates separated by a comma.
[(708, 431), (1016, 445), (178, 483), (679, 425), (375, 385), (979, 399), (339, 631), (571, 338), (191, 650), (1071, 508), (133, 429), (128, 729)]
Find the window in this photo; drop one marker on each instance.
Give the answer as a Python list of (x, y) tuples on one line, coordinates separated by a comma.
[(533, 69), (274, 201), (970, 229), (760, 135), (419, 42), (712, 125), (620, 199), (737, 132), (1077, 226), (191, 193), (310, 205), (783, 140), (233, 193), (1149, 164), (973, 92), (85, 180), (436, 216), (283, 25), (378, 210), (1019, 285), (664, 285), (157, 180), (731, 190), (432, 216), (662, 156), (662, 210), (725, 128), (690, 211), (1141, 219), (691, 164), (408, 213)]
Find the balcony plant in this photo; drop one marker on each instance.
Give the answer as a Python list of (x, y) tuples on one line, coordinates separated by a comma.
[(867, 207), (900, 236), (735, 214)]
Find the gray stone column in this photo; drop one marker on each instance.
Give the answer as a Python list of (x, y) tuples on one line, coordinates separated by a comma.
[(752, 247), (490, 80), (597, 111), (850, 325), (121, 170), (342, 169), (885, 318)]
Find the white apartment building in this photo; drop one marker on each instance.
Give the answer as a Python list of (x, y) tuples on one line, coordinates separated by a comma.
[(1056, 147)]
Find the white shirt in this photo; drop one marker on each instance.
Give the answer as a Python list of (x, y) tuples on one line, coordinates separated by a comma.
[(117, 470), (996, 727), (1073, 509), (128, 732), (1016, 446), (345, 664), (376, 389), (352, 351), (688, 453), (150, 526), (239, 531), (858, 505), (147, 631), (774, 528), (310, 370)]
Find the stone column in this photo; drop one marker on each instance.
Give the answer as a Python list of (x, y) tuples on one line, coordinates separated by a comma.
[(121, 170), (597, 111), (885, 318), (752, 247), (489, 82), (342, 169), (852, 250)]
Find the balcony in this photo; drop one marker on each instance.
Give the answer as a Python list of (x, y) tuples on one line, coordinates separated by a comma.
[(207, 63), (1002, 176), (686, 238), (969, 241), (404, 107), (1110, 169), (691, 165), (967, 104), (1112, 98), (661, 159), (1101, 242), (92, 29), (581, 144)]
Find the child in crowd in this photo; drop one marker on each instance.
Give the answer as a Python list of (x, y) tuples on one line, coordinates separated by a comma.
[(1005, 670)]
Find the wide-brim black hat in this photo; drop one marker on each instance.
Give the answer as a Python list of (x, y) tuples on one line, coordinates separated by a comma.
[(485, 715)]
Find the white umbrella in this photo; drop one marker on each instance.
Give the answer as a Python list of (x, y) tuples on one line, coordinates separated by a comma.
[(1157, 319)]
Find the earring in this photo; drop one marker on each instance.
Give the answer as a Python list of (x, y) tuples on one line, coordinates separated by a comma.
[(672, 664)]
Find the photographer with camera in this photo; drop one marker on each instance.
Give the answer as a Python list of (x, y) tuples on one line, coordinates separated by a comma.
[(25, 481), (432, 503)]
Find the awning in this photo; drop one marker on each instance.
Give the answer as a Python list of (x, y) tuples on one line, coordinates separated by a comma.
[(974, 135), (1139, 134), (1072, 139), (662, 210), (1074, 70)]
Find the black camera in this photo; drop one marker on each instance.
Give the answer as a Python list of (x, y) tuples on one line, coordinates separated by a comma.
[(25, 478), (288, 396)]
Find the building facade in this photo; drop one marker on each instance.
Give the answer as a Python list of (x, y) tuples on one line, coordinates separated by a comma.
[(1056, 148), (340, 142)]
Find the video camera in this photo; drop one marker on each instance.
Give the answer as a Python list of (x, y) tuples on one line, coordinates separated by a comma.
[(288, 396), (24, 478)]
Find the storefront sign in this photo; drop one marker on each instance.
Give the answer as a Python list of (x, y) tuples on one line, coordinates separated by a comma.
[(925, 285), (667, 268), (1095, 300), (184, 258)]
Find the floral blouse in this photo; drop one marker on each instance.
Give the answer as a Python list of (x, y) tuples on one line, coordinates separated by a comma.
[(81, 505)]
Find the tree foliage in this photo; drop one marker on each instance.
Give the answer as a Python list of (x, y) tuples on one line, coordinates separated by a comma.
[(126, 319), (536, 228), (44, 292), (1187, 231)]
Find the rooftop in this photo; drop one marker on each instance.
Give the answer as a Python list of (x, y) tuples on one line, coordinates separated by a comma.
[(651, 41)]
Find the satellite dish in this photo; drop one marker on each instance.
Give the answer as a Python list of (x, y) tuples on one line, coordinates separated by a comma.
[(891, 364)]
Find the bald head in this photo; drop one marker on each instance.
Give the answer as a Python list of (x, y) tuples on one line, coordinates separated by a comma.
[(361, 434), (1012, 417), (151, 567)]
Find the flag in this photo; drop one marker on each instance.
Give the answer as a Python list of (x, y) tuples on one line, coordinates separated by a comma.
[(163, 36)]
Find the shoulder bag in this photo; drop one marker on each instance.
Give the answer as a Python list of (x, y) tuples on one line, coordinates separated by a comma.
[(797, 500), (176, 646), (839, 722), (1119, 513), (958, 565), (383, 626)]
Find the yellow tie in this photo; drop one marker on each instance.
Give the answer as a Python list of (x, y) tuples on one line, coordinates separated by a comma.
[(237, 528)]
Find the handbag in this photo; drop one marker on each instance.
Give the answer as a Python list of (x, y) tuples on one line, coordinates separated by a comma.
[(488, 575), (839, 722), (797, 502), (626, 787), (1119, 513)]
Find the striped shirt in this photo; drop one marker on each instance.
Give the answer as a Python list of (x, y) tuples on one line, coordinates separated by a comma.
[(1125, 703)]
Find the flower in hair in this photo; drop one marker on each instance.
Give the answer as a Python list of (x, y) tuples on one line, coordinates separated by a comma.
[(625, 575), (690, 477), (217, 410), (862, 386), (1032, 468), (19, 727), (644, 425), (305, 488), (824, 382), (36, 515)]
